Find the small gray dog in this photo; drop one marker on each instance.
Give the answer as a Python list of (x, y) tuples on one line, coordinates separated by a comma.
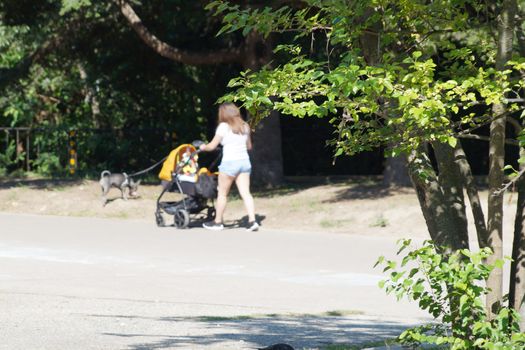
[(120, 181)]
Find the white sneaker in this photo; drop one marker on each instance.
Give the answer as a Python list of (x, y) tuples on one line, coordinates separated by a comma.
[(252, 226), (212, 225)]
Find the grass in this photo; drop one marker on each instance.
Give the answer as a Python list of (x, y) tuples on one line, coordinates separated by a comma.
[(315, 206), (330, 223), (122, 215), (380, 221)]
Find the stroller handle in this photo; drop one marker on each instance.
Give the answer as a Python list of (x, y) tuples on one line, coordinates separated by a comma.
[(196, 144)]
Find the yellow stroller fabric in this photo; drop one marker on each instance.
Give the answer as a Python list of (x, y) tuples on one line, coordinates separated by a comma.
[(178, 155)]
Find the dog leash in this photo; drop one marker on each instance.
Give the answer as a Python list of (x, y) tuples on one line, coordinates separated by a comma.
[(148, 169)]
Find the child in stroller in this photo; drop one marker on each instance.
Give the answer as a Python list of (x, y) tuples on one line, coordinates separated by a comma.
[(181, 173)]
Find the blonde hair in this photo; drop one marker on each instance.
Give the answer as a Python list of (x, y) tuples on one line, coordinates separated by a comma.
[(230, 114)]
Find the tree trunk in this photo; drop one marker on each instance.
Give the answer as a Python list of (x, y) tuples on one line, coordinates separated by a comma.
[(517, 267), (441, 201), (472, 193), (266, 156), (395, 173), (90, 96), (497, 160), (451, 184), (441, 208)]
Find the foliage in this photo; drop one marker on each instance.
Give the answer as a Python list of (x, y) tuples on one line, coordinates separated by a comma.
[(9, 158), (451, 289), (101, 80), (48, 164), (427, 85), (425, 109), (72, 5)]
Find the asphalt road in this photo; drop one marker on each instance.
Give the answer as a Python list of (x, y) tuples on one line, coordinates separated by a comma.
[(83, 283)]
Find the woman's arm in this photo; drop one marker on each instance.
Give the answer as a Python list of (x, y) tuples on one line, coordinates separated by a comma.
[(249, 142), (212, 145), (248, 136)]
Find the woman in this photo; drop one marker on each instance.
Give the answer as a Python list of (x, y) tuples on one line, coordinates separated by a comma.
[(233, 134)]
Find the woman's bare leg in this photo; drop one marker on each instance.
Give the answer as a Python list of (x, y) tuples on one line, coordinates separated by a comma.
[(225, 183), (243, 186)]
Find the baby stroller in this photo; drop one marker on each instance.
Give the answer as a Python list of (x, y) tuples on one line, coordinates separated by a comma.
[(181, 173)]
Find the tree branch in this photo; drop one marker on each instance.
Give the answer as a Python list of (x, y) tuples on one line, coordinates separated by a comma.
[(489, 120), (173, 53), (486, 138), (510, 183)]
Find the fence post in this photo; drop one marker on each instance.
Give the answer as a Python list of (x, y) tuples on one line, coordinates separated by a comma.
[(16, 146), (28, 167), (72, 151)]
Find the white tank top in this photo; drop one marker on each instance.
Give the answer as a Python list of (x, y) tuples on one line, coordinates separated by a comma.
[(233, 145)]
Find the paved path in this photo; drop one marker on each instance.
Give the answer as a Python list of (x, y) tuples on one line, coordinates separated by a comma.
[(82, 283)]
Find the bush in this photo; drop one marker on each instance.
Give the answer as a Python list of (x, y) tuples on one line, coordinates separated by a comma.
[(451, 289), (48, 164), (9, 159)]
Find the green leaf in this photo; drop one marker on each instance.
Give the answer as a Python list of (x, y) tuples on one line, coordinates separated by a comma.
[(499, 263), (73, 5), (225, 28), (266, 100)]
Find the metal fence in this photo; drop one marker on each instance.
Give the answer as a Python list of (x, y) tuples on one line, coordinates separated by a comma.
[(86, 151), (22, 139)]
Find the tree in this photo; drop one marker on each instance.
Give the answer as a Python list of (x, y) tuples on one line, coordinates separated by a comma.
[(442, 76), (110, 70), (252, 54), (506, 29)]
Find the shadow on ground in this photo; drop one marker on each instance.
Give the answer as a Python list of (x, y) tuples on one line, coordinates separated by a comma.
[(352, 187), (240, 223), (39, 184), (249, 333), (295, 184), (366, 191)]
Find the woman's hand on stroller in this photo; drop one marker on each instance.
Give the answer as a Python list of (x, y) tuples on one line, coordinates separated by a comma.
[(198, 143), (212, 145)]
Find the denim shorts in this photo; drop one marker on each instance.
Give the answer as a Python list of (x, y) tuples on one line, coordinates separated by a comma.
[(235, 167)]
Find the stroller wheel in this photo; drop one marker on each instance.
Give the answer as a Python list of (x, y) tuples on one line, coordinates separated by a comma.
[(211, 213), (182, 218), (159, 219)]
